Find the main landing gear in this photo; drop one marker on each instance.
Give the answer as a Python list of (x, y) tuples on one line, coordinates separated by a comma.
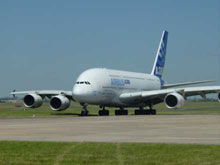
[(103, 112), (142, 111), (145, 112), (121, 111)]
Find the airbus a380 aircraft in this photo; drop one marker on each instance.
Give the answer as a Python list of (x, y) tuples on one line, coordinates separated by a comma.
[(115, 88)]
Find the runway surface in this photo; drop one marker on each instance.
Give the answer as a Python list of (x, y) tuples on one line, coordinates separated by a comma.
[(196, 129)]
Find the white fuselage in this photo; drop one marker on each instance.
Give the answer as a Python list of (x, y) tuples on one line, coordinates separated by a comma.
[(102, 86)]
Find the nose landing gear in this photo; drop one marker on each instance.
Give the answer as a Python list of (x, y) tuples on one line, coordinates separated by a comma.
[(84, 112)]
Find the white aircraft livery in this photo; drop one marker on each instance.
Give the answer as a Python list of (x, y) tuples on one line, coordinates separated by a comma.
[(121, 89)]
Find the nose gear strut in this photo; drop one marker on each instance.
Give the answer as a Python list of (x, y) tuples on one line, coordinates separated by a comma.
[(85, 112)]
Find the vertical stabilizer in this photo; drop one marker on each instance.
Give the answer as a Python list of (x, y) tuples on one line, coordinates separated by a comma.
[(160, 57)]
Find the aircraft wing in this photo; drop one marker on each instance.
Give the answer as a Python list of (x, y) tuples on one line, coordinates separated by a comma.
[(165, 86), (160, 94), (43, 93), (193, 91)]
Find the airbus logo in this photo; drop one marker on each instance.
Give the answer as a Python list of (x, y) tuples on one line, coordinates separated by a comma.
[(119, 82)]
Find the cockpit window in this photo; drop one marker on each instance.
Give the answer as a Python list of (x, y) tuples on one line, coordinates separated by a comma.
[(83, 82)]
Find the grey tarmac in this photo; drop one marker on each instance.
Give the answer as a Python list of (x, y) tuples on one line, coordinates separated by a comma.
[(182, 129)]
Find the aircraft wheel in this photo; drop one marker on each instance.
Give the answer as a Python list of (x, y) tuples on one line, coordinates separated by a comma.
[(104, 113), (84, 113), (121, 112), (125, 112), (153, 112), (140, 112), (144, 112), (117, 112)]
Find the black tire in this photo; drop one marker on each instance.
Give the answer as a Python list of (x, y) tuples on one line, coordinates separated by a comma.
[(148, 112), (107, 112), (154, 112), (103, 113), (117, 112), (141, 112), (121, 112), (84, 113), (125, 112), (136, 112)]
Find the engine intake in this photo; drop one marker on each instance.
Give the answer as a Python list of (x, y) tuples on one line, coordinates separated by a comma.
[(59, 103), (174, 100), (32, 101)]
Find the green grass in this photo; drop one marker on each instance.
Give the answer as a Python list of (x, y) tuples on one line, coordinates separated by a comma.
[(9, 109), (107, 153), (12, 152)]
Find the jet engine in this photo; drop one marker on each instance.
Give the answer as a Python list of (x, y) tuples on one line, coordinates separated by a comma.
[(32, 100), (174, 100), (59, 103)]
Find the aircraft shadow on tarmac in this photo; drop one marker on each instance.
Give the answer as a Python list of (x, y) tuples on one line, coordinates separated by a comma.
[(72, 114), (180, 110), (77, 114)]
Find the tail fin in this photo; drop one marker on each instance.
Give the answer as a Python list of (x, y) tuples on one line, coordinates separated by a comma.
[(161, 56)]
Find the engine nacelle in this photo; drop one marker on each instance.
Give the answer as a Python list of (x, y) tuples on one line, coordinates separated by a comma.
[(59, 103), (174, 100), (32, 100)]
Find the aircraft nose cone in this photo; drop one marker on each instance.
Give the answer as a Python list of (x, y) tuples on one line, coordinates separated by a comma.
[(79, 93)]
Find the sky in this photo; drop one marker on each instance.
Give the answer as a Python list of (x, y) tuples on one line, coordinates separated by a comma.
[(47, 44)]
